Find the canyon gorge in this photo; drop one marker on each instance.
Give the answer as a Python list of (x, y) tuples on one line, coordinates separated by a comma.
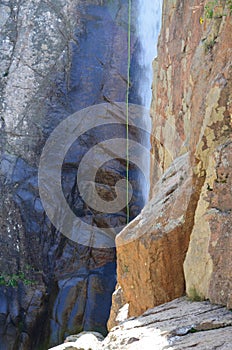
[(166, 283)]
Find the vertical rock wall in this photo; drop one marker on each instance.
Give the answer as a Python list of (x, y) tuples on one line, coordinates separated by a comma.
[(57, 58), (191, 111), (191, 115)]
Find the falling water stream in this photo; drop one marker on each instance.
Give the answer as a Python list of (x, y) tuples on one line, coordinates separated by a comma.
[(149, 23), (149, 15)]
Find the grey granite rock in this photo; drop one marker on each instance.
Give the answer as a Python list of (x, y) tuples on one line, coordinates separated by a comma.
[(177, 325), (57, 57)]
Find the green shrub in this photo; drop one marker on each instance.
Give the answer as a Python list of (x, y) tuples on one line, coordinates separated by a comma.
[(211, 6), (12, 280)]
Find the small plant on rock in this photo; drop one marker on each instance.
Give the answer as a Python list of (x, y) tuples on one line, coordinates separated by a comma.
[(212, 6), (208, 45), (12, 280)]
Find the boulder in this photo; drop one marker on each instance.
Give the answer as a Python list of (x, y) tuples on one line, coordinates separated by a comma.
[(152, 248), (179, 324)]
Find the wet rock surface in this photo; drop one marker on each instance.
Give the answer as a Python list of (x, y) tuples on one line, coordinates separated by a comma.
[(58, 57), (179, 324)]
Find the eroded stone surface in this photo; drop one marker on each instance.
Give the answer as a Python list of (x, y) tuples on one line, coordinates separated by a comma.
[(57, 57), (119, 308), (191, 103), (208, 262), (151, 249), (191, 111), (177, 325)]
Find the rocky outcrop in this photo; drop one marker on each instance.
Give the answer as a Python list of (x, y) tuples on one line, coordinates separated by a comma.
[(195, 82), (192, 84), (57, 58), (151, 249), (119, 308), (52, 286), (188, 211), (178, 325), (208, 262)]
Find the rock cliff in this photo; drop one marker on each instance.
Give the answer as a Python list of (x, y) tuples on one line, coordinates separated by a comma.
[(57, 57), (181, 241)]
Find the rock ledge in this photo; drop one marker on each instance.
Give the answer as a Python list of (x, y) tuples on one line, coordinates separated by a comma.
[(177, 325)]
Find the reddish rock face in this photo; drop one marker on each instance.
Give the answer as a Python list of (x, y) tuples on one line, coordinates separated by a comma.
[(191, 108), (191, 104), (119, 309), (151, 249), (191, 112)]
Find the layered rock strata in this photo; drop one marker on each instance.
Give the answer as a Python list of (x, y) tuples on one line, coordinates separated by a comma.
[(177, 325)]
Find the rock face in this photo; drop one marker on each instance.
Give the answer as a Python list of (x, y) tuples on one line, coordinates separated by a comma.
[(50, 68), (191, 103), (151, 249), (190, 204), (178, 325), (57, 58), (119, 308), (208, 262)]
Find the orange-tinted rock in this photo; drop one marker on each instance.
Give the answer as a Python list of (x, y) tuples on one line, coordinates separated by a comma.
[(151, 249), (191, 104), (191, 112), (119, 310)]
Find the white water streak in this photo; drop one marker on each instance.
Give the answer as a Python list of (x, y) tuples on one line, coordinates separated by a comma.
[(149, 23)]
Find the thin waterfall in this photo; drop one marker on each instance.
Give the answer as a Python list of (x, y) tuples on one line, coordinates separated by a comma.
[(148, 28)]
